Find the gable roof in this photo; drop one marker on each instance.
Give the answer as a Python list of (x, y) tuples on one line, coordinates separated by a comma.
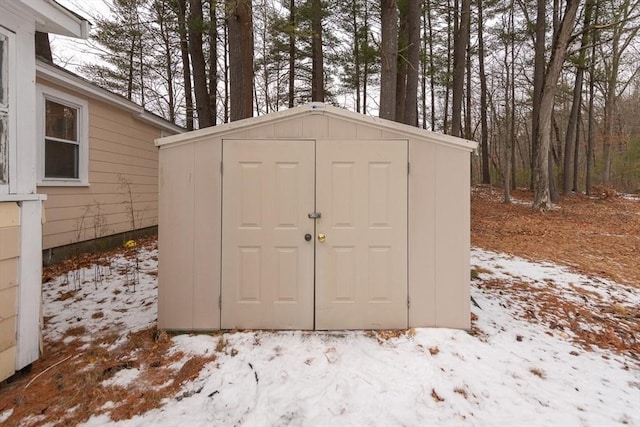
[(318, 108), (57, 75)]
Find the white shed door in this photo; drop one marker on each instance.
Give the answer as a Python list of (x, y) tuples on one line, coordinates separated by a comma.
[(361, 266), (267, 265), (358, 245)]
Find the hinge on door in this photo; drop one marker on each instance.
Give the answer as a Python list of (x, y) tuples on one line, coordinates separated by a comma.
[(221, 168), (220, 302), (408, 302), (408, 168)]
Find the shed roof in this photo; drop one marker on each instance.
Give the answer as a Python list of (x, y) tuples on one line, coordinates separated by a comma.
[(321, 109)]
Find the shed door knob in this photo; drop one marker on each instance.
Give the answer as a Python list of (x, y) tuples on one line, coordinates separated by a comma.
[(308, 237), (322, 237)]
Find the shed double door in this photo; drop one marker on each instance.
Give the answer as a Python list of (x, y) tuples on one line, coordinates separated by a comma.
[(314, 234)]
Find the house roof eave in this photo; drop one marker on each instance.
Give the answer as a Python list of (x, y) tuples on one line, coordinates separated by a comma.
[(51, 17), (56, 75)]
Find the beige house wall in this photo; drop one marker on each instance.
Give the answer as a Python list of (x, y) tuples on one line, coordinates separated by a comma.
[(190, 216), (122, 157), (9, 259)]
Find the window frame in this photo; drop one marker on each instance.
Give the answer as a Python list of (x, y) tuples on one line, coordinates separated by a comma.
[(44, 94), (9, 185)]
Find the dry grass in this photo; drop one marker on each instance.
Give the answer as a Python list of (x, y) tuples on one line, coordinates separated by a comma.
[(594, 236), (538, 372), (436, 396), (78, 382)]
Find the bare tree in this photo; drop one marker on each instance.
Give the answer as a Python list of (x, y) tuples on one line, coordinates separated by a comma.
[(459, 61), (389, 59), (240, 24), (317, 77), (542, 199), (200, 86)]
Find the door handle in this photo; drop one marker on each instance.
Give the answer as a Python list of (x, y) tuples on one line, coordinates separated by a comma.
[(322, 237), (308, 237)]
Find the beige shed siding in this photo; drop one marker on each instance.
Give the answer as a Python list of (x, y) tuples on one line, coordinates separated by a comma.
[(119, 147), (9, 257), (176, 235), (189, 236), (452, 233), (190, 223), (206, 221), (421, 239)]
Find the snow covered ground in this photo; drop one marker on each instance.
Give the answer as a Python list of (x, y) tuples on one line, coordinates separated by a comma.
[(520, 365)]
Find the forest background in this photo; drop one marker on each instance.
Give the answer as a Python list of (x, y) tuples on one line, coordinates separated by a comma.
[(549, 88)]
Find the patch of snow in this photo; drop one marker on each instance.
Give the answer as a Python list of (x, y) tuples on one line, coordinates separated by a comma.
[(4, 416), (510, 369), (122, 378), (103, 305)]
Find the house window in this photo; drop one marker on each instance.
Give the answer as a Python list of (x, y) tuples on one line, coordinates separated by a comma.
[(64, 149), (61, 143)]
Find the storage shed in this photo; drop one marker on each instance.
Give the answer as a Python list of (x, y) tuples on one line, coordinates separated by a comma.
[(313, 218)]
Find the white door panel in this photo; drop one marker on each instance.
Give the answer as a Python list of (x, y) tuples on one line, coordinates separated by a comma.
[(360, 189), (361, 267), (267, 266)]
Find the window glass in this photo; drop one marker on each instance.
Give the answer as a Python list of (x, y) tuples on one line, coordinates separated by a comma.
[(61, 147), (61, 121), (61, 159)]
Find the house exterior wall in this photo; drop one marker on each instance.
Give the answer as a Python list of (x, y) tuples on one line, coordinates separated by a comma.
[(122, 157), (190, 223), (20, 206), (9, 261)]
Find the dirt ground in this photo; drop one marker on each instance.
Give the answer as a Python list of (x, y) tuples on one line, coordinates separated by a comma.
[(597, 236)]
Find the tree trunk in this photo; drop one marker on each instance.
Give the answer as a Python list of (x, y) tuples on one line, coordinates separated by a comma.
[(542, 200), (389, 59), (572, 127), (538, 81), (432, 78), (484, 130), (356, 51), (130, 65), (161, 17), (401, 69), (186, 63), (213, 61), (317, 73), (459, 62), (413, 59), (292, 51), (239, 21), (200, 86)]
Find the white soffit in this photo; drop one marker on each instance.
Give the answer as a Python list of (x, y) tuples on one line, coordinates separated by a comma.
[(53, 18)]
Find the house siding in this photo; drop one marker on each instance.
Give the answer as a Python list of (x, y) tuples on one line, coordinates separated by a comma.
[(121, 151), (9, 259)]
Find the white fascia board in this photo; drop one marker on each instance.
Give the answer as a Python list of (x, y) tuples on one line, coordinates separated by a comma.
[(51, 74), (319, 108), (53, 18)]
